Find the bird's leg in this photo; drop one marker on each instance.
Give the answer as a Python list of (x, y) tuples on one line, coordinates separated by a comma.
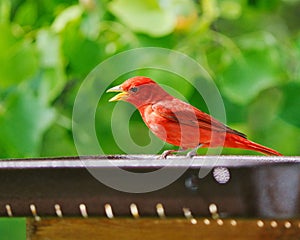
[(193, 152), (168, 152)]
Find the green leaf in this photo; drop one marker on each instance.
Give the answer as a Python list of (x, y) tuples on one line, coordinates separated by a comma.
[(5, 9), (264, 109), (18, 58), (270, 5), (48, 83), (296, 63), (260, 68), (27, 13), (144, 16), (290, 107), (230, 9), (13, 228), (68, 15), (60, 140), (23, 122), (281, 136), (51, 78), (179, 7), (90, 25), (48, 44), (234, 112), (85, 49)]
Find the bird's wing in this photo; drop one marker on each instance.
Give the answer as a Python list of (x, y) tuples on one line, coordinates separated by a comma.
[(183, 113)]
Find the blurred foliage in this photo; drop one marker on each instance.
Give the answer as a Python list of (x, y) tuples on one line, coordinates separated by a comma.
[(251, 48), (13, 228)]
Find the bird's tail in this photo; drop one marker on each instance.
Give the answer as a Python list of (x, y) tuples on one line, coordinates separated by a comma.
[(240, 142), (260, 148)]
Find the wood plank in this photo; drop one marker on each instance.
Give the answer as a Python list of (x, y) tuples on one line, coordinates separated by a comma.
[(155, 228)]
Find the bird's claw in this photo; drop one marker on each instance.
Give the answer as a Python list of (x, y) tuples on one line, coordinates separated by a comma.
[(191, 154), (165, 154)]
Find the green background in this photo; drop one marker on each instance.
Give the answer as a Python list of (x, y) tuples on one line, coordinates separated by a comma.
[(47, 48), (251, 48)]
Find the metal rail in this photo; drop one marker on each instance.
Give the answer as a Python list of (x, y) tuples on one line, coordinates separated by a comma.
[(145, 161), (258, 187)]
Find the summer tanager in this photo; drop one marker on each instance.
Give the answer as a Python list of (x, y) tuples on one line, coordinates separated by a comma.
[(178, 122)]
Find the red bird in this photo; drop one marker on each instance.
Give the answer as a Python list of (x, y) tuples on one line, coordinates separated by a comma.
[(178, 122)]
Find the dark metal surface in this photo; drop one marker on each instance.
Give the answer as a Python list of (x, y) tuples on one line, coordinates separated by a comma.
[(258, 187)]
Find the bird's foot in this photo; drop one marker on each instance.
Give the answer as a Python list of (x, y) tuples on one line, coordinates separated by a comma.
[(166, 153), (193, 152), (169, 152)]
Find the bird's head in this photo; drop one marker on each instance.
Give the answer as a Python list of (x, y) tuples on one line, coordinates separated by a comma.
[(138, 91)]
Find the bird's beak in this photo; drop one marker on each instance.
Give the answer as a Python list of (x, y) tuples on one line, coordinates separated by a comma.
[(121, 96)]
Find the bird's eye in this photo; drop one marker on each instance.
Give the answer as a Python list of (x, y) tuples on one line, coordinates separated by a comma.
[(134, 89)]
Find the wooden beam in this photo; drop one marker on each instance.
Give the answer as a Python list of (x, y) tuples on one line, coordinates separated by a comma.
[(154, 228)]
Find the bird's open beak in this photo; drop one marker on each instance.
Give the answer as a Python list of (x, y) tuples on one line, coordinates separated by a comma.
[(121, 96)]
